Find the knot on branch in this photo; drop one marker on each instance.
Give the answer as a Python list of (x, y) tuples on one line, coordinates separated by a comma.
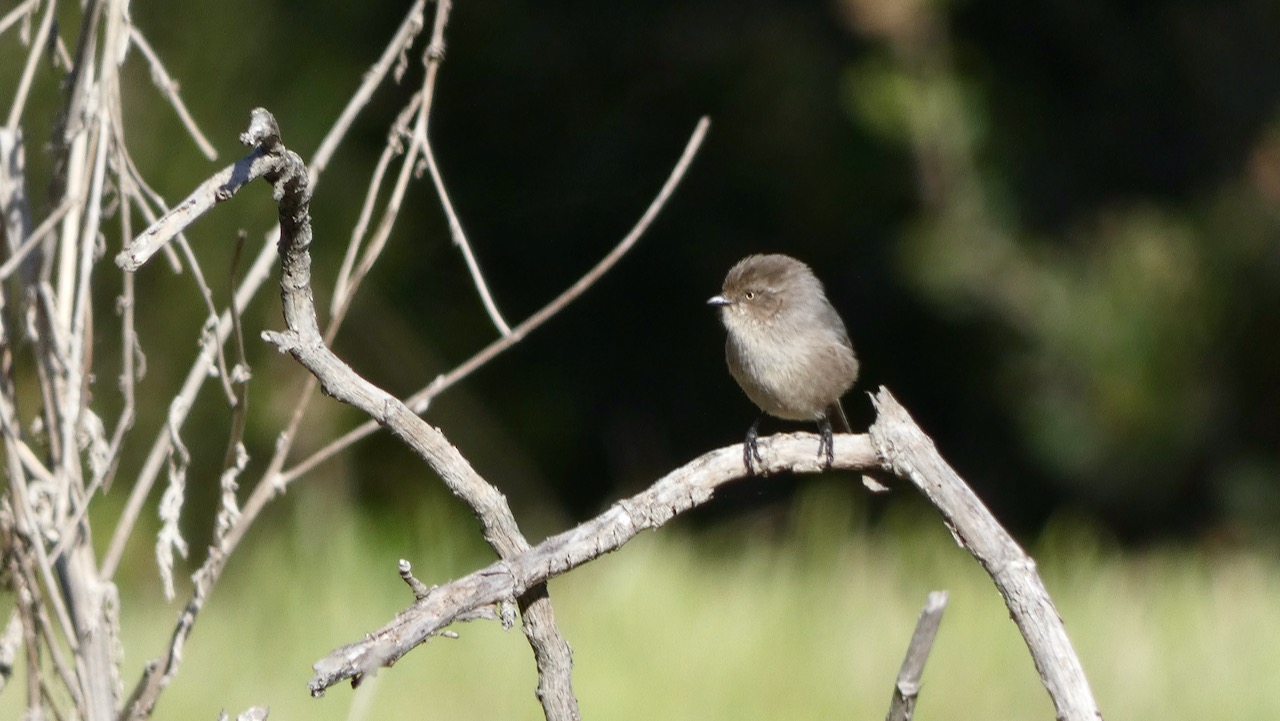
[(285, 341), (263, 131), (435, 51), (420, 589)]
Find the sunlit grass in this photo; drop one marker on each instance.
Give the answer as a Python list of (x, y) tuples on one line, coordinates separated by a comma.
[(730, 624)]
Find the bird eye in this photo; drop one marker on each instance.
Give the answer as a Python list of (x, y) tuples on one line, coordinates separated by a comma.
[(751, 294)]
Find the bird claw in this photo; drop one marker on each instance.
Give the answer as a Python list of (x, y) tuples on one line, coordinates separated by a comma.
[(826, 443), (750, 449)]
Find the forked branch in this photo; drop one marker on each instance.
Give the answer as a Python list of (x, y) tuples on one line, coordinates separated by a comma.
[(894, 444), (687, 487)]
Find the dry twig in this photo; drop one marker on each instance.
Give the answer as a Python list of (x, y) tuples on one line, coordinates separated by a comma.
[(907, 687), (907, 452)]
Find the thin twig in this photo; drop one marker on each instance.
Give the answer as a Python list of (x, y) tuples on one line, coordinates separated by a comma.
[(41, 233), (907, 688), (30, 461), (129, 352), (236, 457), (38, 46), (166, 84), (82, 328), (378, 242), (418, 145), (343, 288), (23, 9), (434, 56), (460, 240), (207, 340), (143, 197), (220, 187)]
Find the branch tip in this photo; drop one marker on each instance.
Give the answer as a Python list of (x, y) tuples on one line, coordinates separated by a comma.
[(419, 588), (263, 130)]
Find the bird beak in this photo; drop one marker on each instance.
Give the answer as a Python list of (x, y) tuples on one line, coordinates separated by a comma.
[(719, 300)]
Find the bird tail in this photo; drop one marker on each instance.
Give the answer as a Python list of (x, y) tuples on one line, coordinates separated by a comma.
[(835, 414)]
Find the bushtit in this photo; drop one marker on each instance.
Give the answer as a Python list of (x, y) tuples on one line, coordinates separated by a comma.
[(787, 346)]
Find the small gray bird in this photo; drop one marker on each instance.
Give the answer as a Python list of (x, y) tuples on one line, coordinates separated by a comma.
[(786, 347)]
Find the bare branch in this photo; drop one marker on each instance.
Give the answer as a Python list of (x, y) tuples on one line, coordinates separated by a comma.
[(130, 353), (419, 106), (419, 588), (377, 243), (220, 187), (689, 486), (907, 452), (158, 236), (236, 457), (907, 688), (418, 145)]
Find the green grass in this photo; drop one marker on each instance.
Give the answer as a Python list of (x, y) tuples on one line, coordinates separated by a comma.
[(731, 624)]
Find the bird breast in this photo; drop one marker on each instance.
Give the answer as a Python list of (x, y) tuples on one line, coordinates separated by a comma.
[(788, 373)]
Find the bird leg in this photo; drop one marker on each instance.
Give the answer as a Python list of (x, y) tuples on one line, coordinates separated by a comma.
[(750, 453), (826, 443)]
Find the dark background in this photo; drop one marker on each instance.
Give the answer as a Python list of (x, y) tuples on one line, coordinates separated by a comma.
[(1050, 227)]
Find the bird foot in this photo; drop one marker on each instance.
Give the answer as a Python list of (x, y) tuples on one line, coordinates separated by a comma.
[(826, 443), (750, 450)]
